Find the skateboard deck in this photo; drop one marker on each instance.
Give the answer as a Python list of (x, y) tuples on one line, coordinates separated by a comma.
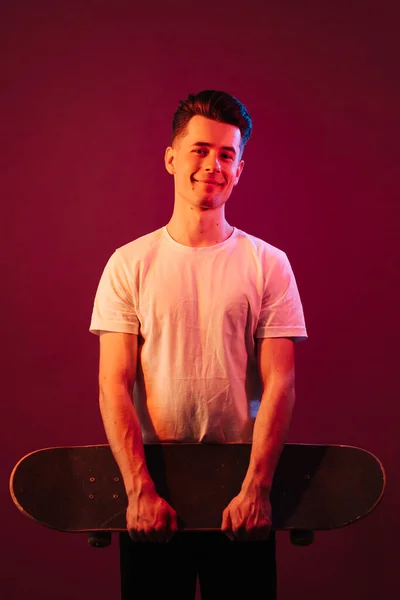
[(80, 488)]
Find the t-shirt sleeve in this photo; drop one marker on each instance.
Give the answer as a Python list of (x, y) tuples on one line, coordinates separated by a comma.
[(281, 312), (113, 308)]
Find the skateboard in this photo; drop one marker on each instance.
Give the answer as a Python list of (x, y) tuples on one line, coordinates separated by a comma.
[(79, 489)]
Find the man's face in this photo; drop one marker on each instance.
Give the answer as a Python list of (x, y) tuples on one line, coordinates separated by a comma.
[(205, 163)]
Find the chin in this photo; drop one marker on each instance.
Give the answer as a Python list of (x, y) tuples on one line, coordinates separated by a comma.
[(207, 202)]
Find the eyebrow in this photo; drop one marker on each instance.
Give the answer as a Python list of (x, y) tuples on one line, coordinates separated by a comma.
[(229, 148)]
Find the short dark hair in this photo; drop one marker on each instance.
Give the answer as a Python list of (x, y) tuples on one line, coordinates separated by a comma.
[(215, 105)]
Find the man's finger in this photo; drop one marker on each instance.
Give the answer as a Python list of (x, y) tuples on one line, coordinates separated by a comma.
[(154, 535), (136, 535), (240, 534), (226, 525), (173, 522), (132, 535), (169, 527)]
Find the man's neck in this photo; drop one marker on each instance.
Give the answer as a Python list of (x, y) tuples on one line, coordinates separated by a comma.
[(200, 230)]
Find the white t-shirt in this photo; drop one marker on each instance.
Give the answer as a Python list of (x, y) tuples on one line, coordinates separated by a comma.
[(197, 312)]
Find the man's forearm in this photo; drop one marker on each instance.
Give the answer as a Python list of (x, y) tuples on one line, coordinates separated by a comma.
[(271, 428), (124, 435)]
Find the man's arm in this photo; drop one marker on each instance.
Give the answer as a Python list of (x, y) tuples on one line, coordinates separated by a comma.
[(275, 358), (148, 515), (248, 516)]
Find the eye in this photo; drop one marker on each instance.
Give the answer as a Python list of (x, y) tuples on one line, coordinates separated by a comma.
[(226, 156), (200, 151)]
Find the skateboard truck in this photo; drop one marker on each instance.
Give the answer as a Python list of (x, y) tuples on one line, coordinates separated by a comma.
[(298, 537)]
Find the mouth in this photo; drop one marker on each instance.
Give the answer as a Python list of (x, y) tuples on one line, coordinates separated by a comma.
[(208, 182)]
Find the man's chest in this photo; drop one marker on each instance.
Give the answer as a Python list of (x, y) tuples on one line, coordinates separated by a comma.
[(183, 293)]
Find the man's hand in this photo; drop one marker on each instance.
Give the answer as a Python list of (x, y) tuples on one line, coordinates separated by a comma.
[(150, 518), (248, 516)]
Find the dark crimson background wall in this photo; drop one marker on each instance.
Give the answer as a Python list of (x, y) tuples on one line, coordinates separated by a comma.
[(88, 90)]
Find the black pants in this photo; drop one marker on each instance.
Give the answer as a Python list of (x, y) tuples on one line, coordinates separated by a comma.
[(231, 570)]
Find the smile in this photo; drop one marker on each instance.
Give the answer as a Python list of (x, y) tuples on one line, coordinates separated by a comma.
[(215, 183)]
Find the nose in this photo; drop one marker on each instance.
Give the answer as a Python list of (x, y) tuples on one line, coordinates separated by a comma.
[(212, 163)]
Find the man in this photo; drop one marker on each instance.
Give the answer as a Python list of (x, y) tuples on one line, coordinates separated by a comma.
[(197, 323)]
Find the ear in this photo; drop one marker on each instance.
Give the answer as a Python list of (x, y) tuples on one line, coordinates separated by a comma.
[(239, 170), (170, 160)]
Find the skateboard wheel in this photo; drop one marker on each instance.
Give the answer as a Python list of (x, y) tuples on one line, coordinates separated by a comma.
[(99, 540), (301, 538)]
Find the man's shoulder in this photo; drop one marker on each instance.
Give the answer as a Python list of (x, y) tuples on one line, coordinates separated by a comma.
[(259, 245), (141, 246)]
